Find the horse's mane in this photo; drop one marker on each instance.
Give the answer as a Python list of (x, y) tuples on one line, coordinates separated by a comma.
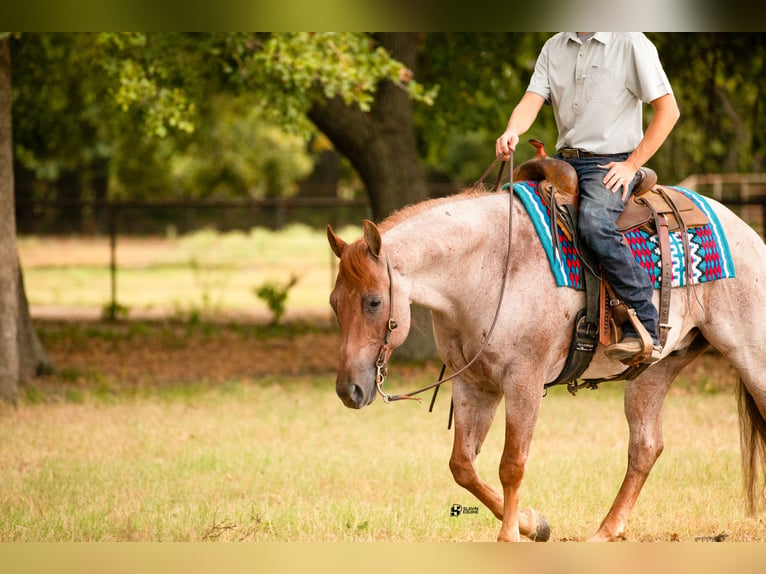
[(354, 263), (408, 211)]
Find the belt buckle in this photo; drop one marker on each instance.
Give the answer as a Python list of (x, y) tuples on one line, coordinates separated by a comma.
[(569, 153)]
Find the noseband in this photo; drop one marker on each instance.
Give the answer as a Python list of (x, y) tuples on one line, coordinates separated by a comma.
[(381, 363)]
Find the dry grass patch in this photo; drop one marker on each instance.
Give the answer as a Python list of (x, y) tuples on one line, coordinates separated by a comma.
[(280, 459)]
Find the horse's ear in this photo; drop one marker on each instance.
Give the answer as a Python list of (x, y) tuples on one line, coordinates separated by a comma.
[(372, 237), (336, 243)]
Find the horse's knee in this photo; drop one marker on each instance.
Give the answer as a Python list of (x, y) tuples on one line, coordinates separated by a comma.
[(462, 471)]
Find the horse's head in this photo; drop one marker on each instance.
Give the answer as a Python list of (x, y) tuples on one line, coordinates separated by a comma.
[(361, 300)]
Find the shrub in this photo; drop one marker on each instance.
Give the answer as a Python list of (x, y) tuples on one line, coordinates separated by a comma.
[(275, 295)]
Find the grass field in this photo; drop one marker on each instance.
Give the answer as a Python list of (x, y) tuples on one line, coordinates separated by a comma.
[(280, 459), (207, 272)]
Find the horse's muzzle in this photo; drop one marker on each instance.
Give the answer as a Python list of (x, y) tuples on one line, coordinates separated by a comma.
[(353, 395)]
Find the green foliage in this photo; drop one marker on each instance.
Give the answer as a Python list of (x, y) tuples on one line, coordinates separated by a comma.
[(719, 81), (294, 70), (481, 77), (157, 77), (168, 107), (239, 153), (62, 116), (179, 114), (171, 114), (275, 295)]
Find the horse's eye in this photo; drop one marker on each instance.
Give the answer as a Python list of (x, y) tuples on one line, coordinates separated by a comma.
[(372, 303)]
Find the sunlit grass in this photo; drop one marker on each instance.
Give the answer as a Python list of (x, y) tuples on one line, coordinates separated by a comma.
[(206, 271), (283, 460)]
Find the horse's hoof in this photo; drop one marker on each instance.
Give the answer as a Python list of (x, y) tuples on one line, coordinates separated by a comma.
[(542, 532)]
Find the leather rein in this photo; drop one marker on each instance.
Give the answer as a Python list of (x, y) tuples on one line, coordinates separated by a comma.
[(381, 363)]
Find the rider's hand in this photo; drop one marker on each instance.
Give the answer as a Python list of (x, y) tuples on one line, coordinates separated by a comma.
[(505, 144), (619, 176)]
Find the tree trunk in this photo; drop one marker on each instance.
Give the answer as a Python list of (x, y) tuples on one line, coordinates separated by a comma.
[(9, 347), (21, 354), (33, 360), (381, 146)]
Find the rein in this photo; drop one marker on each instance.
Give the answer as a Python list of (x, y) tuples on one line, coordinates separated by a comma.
[(381, 363)]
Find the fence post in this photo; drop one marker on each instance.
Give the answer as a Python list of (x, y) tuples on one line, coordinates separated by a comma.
[(111, 314)]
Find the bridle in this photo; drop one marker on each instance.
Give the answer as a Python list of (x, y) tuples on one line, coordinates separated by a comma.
[(381, 363)]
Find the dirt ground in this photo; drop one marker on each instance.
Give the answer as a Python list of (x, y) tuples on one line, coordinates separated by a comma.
[(149, 353), (143, 354)]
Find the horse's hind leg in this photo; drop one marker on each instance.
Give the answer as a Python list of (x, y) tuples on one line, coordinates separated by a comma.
[(644, 397), (474, 411)]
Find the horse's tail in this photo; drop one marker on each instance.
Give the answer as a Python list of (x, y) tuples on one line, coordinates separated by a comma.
[(752, 433)]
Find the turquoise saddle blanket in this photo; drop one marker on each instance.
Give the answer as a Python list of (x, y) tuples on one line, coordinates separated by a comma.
[(710, 253)]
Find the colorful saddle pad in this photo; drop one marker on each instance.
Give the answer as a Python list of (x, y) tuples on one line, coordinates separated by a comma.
[(710, 254)]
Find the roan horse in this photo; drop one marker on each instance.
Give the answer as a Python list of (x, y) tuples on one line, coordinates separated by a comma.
[(448, 255)]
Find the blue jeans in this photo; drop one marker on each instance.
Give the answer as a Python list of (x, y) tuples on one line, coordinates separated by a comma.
[(598, 213)]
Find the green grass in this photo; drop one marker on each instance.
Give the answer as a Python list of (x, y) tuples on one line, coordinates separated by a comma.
[(280, 459), (206, 272)]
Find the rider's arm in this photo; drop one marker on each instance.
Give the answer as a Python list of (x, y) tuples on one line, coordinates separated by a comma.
[(522, 118)]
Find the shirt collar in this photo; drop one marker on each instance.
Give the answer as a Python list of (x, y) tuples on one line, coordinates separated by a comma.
[(603, 37)]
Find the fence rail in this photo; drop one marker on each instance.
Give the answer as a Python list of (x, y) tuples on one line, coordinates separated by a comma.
[(741, 187)]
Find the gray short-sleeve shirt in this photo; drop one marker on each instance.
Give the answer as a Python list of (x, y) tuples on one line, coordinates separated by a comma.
[(596, 87)]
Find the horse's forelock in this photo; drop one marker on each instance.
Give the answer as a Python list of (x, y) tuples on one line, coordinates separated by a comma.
[(355, 265)]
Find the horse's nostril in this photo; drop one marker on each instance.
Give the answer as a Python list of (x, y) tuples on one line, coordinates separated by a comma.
[(356, 394), (351, 394)]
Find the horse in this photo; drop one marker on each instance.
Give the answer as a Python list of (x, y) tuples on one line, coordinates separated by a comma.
[(451, 255)]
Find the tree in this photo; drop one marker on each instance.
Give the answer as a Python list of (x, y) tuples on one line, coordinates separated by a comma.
[(21, 355), (380, 143), (155, 80), (9, 351)]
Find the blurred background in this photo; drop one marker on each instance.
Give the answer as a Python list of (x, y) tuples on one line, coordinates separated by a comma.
[(166, 197), (191, 176)]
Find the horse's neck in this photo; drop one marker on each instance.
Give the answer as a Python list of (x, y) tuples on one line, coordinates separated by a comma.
[(436, 250)]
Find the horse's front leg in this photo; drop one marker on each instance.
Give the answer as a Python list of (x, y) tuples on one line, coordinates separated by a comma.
[(522, 405), (475, 409)]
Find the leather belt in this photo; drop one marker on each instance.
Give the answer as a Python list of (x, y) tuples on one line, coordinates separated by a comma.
[(575, 153)]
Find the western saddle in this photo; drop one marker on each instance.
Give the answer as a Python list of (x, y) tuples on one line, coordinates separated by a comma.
[(651, 207)]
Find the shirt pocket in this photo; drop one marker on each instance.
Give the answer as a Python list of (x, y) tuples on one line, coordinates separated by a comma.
[(602, 85)]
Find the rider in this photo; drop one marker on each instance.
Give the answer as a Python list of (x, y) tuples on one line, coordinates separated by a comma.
[(596, 83)]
